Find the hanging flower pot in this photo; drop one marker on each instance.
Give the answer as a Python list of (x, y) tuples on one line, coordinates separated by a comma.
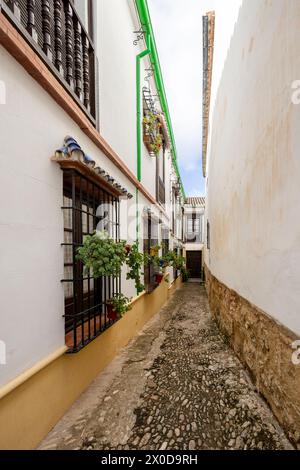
[(148, 141), (159, 277)]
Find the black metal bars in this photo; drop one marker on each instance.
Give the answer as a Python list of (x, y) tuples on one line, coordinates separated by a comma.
[(86, 207), (55, 31)]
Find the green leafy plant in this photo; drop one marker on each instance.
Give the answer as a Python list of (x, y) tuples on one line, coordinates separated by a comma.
[(102, 255), (136, 261), (119, 304), (184, 274), (177, 262), (156, 144), (151, 123), (170, 259), (180, 262), (152, 128)]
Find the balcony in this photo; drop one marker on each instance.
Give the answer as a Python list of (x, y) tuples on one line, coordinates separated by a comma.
[(193, 238), (53, 29)]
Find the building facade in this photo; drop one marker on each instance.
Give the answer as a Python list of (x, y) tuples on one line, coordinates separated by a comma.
[(252, 170), (86, 144), (194, 232)]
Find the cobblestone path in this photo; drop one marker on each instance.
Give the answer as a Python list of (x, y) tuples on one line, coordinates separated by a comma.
[(178, 385)]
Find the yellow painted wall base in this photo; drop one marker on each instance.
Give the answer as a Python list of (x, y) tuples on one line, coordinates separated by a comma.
[(31, 409)]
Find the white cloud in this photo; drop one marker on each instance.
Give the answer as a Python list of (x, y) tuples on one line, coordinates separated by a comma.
[(178, 31)]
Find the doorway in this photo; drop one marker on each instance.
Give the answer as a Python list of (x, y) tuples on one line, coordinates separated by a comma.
[(194, 264)]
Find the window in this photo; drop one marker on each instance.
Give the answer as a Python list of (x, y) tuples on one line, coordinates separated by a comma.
[(194, 228), (208, 235), (160, 176), (175, 271), (86, 206), (174, 208), (150, 240), (165, 237)]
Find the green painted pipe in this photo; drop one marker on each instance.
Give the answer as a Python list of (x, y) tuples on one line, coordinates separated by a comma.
[(139, 57), (144, 15)]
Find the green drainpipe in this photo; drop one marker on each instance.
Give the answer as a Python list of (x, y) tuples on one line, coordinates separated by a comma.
[(139, 57), (144, 15)]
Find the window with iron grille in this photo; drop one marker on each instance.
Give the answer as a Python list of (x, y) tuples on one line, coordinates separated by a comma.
[(175, 270), (165, 237), (194, 229), (150, 240), (86, 207), (160, 176)]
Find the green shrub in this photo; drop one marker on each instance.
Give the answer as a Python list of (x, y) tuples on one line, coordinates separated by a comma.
[(101, 255)]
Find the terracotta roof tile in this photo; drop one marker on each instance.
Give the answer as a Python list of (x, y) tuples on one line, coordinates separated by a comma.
[(195, 201)]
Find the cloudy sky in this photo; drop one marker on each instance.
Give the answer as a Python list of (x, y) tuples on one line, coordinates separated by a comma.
[(178, 31)]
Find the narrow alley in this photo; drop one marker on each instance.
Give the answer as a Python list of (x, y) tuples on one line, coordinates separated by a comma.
[(177, 385)]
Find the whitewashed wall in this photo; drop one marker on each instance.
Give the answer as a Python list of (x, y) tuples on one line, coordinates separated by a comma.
[(116, 24), (254, 165), (117, 78), (32, 127)]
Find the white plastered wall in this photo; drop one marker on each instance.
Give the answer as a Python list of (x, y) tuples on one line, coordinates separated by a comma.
[(32, 127), (254, 165)]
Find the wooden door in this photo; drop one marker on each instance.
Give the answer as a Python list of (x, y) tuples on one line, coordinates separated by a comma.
[(194, 263)]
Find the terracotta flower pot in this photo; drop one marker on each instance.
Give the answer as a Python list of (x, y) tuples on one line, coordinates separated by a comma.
[(111, 314), (159, 277), (148, 141), (128, 249)]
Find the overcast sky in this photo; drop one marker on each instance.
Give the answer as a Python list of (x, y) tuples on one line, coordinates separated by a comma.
[(177, 27)]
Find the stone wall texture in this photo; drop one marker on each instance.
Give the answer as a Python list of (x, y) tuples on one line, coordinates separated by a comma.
[(265, 348)]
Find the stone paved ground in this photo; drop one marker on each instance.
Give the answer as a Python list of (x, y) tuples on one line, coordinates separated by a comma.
[(177, 385)]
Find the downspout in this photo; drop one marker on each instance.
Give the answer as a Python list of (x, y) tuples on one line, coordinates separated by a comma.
[(144, 15), (139, 57)]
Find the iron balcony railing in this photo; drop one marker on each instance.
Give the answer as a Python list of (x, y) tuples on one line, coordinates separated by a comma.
[(194, 238), (54, 30)]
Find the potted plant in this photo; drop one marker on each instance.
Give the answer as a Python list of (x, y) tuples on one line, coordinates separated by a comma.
[(117, 306), (156, 145), (101, 255), (160, 265), (184, 274), (170, 259), (152, 134), (150, 122)]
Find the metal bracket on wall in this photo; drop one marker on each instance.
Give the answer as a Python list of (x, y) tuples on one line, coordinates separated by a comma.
[(140, 36), (150, 74)]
